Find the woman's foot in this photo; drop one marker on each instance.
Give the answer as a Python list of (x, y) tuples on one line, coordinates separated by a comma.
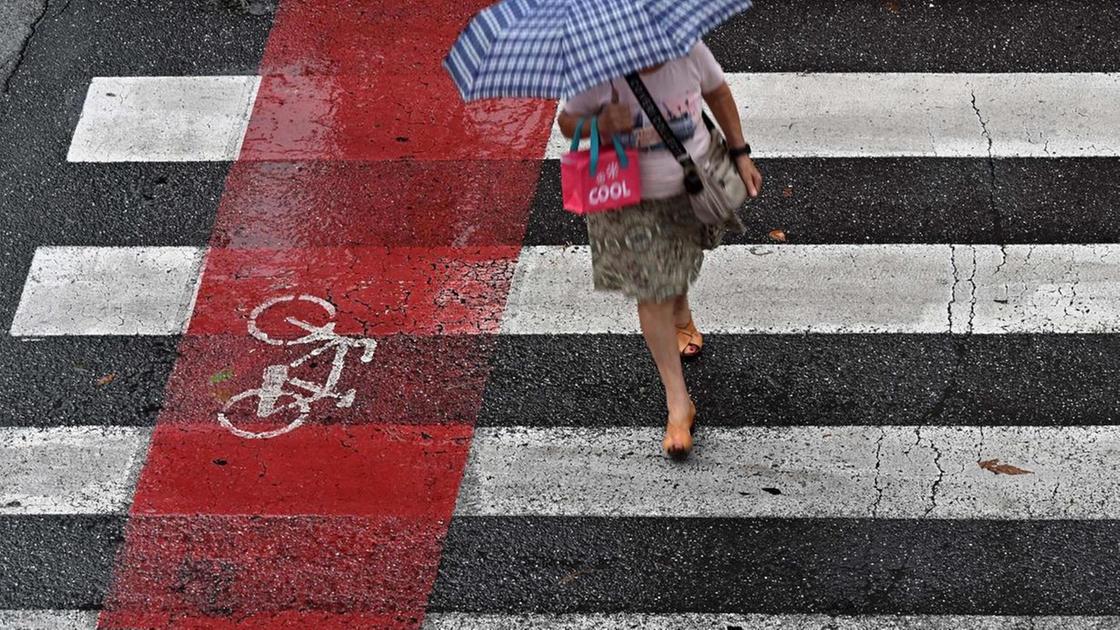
[(689, 340), (678, 433)]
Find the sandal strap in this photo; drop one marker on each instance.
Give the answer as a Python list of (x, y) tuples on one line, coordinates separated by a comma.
[(691, 335), (684, 339)]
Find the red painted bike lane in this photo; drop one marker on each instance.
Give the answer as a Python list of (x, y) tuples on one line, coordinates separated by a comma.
[(369, 203)]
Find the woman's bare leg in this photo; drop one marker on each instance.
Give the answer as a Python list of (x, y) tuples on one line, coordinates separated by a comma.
[(661, 336), (682, 311)]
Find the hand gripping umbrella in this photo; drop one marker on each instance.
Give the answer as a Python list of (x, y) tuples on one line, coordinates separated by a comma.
[(558, 48)]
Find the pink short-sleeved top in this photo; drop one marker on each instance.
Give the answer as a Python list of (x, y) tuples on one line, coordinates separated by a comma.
[(678, 88)]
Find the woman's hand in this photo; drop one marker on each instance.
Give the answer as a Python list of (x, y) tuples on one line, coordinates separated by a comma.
[(750, 174), (615, 118)]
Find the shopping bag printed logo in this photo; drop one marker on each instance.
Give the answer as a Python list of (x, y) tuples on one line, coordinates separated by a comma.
[(609, 186), (594, 181)]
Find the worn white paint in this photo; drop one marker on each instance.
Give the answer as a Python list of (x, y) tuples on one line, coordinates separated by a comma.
[(164, 119), (723, 621), (925, 114), (843, 289), (48, 619), (820, 471), (108, 291), (70, 470), (1045, 288)]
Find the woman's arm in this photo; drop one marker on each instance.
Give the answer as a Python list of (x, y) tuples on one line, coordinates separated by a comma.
[(726, 112)]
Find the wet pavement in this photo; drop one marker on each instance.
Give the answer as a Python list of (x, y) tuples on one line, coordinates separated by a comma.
[(285, 324)]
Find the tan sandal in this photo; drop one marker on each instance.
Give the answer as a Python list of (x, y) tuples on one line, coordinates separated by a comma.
[(681, 451), (689, 337)]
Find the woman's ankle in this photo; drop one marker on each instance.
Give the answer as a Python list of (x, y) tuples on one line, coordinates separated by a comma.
[(679, 407), (682, 313)]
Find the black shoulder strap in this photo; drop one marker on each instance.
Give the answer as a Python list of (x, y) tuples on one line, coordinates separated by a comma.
[(692, 182), (638, 87)]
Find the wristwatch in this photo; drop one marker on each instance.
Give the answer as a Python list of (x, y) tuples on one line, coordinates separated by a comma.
[(736, 153)]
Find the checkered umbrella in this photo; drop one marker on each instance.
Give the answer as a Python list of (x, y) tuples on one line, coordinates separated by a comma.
[(557, 48)]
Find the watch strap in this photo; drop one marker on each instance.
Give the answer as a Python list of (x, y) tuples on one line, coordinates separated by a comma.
[(739, 151)]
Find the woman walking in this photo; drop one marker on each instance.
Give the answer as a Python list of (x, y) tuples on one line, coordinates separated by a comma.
[(652, 252)]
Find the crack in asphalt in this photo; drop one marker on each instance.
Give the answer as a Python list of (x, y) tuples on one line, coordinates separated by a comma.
[(953, 289), (878, 465), (972, 291), (940, 471), (957, 279), (993, 209), (980, 446), (950, 388), (22, 51), (1073, 271)]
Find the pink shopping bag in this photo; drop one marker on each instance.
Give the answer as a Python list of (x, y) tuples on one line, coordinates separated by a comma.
[(594, 181)]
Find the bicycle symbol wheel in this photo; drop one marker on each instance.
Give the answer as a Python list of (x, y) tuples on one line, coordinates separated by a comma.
[(261, 335), (299, 404)]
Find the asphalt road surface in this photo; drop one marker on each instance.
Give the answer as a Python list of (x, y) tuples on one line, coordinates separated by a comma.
[(295, 339)]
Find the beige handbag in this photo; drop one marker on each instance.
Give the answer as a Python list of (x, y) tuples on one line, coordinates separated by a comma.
[(715, 188)]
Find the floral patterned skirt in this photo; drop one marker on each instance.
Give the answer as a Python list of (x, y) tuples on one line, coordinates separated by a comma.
[(651, 252)]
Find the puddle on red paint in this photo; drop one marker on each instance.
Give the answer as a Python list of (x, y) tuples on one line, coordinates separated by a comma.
[(410, 203), (389, 116)]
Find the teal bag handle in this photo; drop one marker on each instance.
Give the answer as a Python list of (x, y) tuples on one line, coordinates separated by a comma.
[(594, 145), (577, 135), (618, 149), (622, 161)]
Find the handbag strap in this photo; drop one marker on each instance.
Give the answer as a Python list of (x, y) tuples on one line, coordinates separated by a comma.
[(623, 161), (577, 135), (692, 182)]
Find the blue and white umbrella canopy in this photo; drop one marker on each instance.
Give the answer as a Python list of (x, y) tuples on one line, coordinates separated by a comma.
[(558, 48)]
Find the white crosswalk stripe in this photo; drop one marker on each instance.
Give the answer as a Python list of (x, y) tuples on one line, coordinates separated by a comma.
[(48, 619), (796, 472), (108, 291), (925, 114), (164, 119), (983, 289), (70, 470), (800, 115), (844, 289)]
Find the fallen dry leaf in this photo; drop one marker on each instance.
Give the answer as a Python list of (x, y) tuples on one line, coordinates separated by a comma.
[(788, 192), (222, 394), (572, 575), (894, 6), (108, 378), (778, 235), (997, 468)]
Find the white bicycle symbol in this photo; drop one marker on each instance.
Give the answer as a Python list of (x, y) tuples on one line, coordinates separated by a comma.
[(276, 378)]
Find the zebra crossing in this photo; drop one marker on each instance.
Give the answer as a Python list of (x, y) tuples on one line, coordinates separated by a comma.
[(906, 411)]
